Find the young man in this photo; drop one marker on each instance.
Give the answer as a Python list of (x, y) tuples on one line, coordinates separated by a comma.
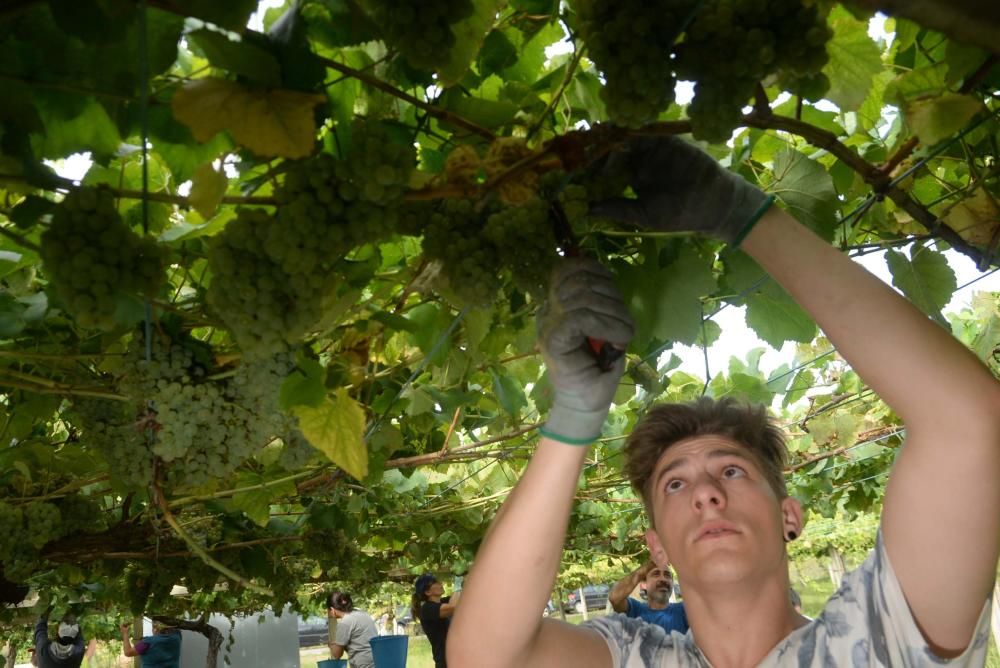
[(710, 473), (659, 584)]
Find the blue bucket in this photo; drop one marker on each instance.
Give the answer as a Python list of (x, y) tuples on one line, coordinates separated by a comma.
[(332, 663), (389, 651)]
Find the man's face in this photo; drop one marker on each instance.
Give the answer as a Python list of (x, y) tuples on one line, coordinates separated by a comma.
[(659, 585), (435, 589), (716, 516)]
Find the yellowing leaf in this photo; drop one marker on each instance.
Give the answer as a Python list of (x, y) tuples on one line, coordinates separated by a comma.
[(938, 118), (207, 189), (336, 428), (976, 219), (271, 123)]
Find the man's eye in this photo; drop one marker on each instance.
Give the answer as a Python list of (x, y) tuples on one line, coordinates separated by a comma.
[(733, 471), (674, 485)]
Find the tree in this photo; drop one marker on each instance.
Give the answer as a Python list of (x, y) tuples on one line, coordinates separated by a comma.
[(284, 322)]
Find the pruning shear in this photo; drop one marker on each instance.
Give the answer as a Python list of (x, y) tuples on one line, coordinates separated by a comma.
[(604, 353)]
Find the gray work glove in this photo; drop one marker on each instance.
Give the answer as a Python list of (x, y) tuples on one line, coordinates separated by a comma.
[(680, 188), (582, 302)]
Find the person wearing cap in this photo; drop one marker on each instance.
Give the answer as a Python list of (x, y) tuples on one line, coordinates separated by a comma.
[(434, 610), (355, 629), (160, 650), (68, 648)]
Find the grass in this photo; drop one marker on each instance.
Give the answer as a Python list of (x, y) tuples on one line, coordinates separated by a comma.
[(418, 654)]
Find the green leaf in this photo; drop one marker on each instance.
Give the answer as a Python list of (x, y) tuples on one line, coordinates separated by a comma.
[(336, 428), (256, 503), (232, 14), (498, 53), (304, 385), (803, 382), (938, 118), (776, 318), (238, 56), (29, 210), (806, 189), (925, 278), (90, 129), (509, 393), (855, 60), (920, 82), (469, 36), (666, 302), (489, 114), (337, 23), (12, 321)]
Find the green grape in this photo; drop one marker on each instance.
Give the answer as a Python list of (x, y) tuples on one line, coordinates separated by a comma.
[(469, 262), (421, 30), (275, 276), (630, 42), (43, 521), (296, 452), (731, 45), (91, 256), (525, 243)]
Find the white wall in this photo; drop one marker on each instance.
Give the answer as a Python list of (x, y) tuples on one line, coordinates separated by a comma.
[(273, 643)]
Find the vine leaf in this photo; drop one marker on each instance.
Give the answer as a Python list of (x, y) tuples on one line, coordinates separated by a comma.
[(936, 119), (854, 62), (256, 502), (924, 277), (208, 186), (304, 385), (469, 36), (807, 191), (666, 301), (336, 428), (976, 219), (271, 123)]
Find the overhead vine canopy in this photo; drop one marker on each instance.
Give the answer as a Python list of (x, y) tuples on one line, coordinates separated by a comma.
[(281, 332)]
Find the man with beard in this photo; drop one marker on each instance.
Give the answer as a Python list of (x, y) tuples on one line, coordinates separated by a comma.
[(657, 609)]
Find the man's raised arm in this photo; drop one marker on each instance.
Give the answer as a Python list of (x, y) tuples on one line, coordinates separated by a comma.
[(499, 624), (618, 596), (941, 512)]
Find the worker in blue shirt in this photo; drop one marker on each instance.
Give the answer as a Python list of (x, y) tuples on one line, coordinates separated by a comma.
[(659, 584)]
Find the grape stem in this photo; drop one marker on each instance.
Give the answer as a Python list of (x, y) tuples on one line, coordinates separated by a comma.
[(570, 71), (198, 550)]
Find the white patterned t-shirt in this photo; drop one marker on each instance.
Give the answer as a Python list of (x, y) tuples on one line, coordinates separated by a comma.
[(866, 624)]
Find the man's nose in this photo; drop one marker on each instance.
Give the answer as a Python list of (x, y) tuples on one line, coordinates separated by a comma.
[(708, 494)]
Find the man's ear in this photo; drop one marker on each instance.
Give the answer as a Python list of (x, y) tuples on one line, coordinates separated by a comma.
[(791, 518), (656, 549)]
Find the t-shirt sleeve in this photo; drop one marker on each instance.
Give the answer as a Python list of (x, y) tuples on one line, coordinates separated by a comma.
[(868, 623), (635, 644), (633, 608), (141, 647), (345, 627)]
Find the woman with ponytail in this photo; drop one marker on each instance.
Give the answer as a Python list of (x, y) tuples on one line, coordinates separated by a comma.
[(355, 628)]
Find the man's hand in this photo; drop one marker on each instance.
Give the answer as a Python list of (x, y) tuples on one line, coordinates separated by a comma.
[(583, 302), (681, 188)]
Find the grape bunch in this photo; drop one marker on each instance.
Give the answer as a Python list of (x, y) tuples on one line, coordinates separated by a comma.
[(731, 45), (275, 276), (11, 529), (265, 307), (197, 427), (297, 451), (525, 243), (43, 521), (92, 257), (113, 429), (469, 261), (421, 29), (630, 42)]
